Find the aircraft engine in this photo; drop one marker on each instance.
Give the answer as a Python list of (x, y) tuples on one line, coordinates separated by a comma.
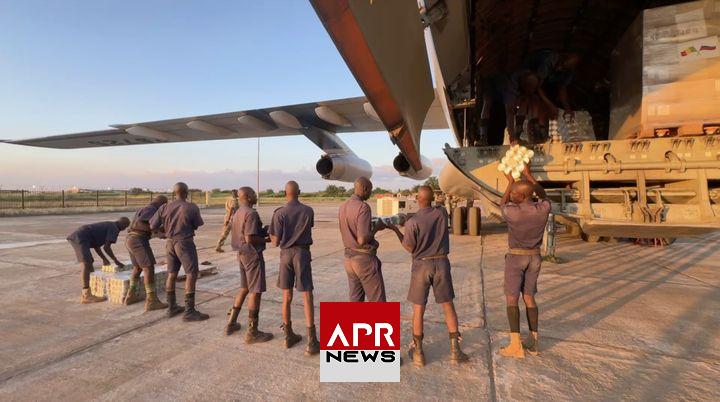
[(343, 167), (401, 164)]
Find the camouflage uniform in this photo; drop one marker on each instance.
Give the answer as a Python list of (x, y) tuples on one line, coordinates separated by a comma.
[(231, 205)]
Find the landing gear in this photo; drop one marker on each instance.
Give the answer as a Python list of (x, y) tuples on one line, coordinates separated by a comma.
[(466, 220)]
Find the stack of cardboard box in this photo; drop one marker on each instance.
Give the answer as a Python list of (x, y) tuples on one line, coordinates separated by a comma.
[(665, 72), (114, 285)]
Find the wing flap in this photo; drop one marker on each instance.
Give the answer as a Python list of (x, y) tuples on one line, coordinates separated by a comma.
[(234, 125)]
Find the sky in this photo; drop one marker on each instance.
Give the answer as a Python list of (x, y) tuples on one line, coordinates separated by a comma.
[(75, 66)]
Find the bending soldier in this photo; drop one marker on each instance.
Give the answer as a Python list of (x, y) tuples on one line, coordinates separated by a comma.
[(94, 236), (142, 257)]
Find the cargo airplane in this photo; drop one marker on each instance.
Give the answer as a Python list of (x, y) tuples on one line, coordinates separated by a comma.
[(419, 63)]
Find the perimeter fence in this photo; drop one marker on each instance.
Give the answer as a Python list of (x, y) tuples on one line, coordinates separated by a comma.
[(28, 199)]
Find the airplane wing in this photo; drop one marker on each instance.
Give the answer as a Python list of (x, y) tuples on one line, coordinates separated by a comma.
[(383, 44), (318, 121)]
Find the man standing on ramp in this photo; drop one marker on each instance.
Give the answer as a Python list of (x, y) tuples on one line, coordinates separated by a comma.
[(179, 220), (291, 230), (426, 238), (362, 266), (526, 220), (142, 257)]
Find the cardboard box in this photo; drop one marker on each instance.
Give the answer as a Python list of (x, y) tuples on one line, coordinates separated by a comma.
[(114, 285), (665, 71)]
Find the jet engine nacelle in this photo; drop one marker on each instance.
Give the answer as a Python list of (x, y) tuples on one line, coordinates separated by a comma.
[(401, 164), (343, 167)]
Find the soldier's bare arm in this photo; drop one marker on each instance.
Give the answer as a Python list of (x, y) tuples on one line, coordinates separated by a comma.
[(108, 249), (506, 196), (539, 190), (101, 255)]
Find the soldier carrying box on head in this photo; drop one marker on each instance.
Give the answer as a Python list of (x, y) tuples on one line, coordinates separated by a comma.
[(526, 220)]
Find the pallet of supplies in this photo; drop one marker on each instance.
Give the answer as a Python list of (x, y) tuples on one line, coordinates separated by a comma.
[(665, 73)]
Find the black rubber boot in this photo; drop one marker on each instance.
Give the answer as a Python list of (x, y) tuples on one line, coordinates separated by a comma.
[(456, 355), (173, 309), (232, 325), (253, 335), (416, 351), (190, 313), (291, 338), (313, 346)]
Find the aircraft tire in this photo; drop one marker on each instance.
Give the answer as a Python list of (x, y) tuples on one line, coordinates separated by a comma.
[(458, 221), (474, 221)]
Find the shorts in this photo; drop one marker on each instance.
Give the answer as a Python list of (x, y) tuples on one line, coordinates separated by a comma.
[(141, 254), (365, 278), (295, 269), (433, 273), (252, 272), (521, 274), (82, 252), (181, 252)]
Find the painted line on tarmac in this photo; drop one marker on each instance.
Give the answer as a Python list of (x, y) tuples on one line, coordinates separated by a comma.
[(22, 244)]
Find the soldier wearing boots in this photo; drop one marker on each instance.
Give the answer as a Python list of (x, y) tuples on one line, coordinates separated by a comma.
[(248, 239), (142, 257), (526, 220), (231, 205), (178, 220), (363, 268), (291, 230), (94, 236), (426, 238)]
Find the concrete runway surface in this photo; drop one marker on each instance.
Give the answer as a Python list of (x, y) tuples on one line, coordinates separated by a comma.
[(617, 321)]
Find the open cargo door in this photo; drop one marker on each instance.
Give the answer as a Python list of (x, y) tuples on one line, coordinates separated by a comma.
[(383, 44)]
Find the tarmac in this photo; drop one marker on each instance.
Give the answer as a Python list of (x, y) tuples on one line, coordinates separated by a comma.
[(617, 321)]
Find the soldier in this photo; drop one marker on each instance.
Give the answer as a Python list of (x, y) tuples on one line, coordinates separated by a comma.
[(248, 239), (291, 230), (526, 220), (426, 238), (94, 236), (362, 266), (142, 257), (231, 205), (178, 220)]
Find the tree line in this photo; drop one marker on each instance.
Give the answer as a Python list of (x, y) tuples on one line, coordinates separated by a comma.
[(336, 191)]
